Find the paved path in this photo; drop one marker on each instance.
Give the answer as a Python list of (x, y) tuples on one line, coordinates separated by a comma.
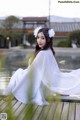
[(57, 49), (67, 51)]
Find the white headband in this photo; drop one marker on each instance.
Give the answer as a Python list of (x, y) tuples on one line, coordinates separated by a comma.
[(50, 32)]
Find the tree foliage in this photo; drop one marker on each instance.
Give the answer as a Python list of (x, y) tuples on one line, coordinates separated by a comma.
[(10, 21), (75, 36), (64, 43), (10, 29), (31, 38)]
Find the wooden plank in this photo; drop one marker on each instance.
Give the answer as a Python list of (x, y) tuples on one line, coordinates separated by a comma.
[(19, 110), (52, 110), (58, 111), (30, 113), (44, 112), (23, 112), (65, 111), (16, 106), (72, 110), (1, 104), (37, 113), (77, 112), (5, 106), (20, 115)]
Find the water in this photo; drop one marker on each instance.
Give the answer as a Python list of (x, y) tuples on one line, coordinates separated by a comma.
[(11, 60), (68, 62)]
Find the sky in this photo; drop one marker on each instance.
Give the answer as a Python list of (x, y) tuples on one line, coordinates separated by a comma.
[(26, 8)]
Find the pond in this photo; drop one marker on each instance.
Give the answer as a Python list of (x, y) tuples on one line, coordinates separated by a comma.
[(11, 60), (68, 62)]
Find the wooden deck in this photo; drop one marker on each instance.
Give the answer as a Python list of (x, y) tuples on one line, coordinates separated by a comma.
[(59, 108), (65, 109)]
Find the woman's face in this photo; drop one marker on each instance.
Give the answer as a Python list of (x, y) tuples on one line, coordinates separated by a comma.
[(41, 40)]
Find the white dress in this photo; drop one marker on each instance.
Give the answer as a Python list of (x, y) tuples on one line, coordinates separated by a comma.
[(41, 79)]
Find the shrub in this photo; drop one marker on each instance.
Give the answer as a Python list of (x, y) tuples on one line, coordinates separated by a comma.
[(64, 43), (75, 36), (31, 38)]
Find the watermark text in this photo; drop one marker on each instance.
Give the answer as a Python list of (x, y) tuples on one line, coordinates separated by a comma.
[(68, 1), (3, 116)]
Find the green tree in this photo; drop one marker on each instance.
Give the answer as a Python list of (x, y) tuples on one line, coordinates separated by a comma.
[(10, 21), (11, 31), (31, 38), (64, 43), (75, 36)]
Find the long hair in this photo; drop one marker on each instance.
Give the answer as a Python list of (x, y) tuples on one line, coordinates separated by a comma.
[(49, 42)]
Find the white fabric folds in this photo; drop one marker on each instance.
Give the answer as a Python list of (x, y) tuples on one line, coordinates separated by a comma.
[(41, 79)]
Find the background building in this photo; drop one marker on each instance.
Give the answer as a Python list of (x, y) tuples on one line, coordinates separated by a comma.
[(62, 27)]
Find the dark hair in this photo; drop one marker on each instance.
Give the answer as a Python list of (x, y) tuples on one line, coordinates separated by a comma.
[(49, 42)]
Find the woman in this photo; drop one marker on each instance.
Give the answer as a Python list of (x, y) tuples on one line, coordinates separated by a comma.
[(43, 76)]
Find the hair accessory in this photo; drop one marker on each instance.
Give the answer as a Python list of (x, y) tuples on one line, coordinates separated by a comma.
[(37, 30), (51, 33)]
